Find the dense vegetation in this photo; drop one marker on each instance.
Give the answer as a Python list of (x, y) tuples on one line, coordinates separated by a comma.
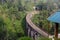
[(43, 38), (41, 19), (12, 18)]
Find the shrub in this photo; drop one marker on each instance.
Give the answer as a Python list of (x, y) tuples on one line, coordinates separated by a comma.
[(24, 38)]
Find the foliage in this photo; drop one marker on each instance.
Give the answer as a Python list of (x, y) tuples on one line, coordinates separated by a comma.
[(24, 38), (47, 5), (11, 27), (42, 38), (12, 19), (41, 21)]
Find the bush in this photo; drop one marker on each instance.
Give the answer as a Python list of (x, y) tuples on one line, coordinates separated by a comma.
[(24, 38), (42, 38)]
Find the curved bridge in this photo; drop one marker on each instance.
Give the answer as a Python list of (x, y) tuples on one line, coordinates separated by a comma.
[(32, 30)]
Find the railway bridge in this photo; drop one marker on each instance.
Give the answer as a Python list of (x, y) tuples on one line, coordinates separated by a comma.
[(32, 30)]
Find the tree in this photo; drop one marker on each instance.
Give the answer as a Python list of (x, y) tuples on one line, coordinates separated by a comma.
[(2, 29), (12, 20)]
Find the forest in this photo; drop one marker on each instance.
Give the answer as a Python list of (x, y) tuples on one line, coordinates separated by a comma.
[(13, 18)]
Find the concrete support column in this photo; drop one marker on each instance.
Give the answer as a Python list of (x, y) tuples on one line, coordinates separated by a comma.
[(36, 36), (29, 32), (32, 34)]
